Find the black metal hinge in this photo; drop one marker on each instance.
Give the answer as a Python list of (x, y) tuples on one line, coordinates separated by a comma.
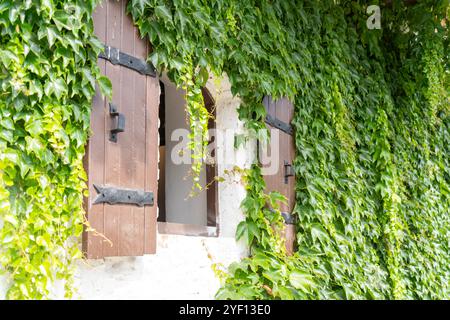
[(289, 218), (117, 57), (113, 195), (276, 123)]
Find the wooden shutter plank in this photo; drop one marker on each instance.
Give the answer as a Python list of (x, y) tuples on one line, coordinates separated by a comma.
[(152, 156), (95, 153), (282, 110), (126, 140), (284, 156), (151, 169), (133, 149), (131, 162), (112, 150), (140, 150), (141, 51)]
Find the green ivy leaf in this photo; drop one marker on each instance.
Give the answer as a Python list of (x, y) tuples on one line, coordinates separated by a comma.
[(105, 86), (57, 87), (301, 281), (164, 13), (49, 32)]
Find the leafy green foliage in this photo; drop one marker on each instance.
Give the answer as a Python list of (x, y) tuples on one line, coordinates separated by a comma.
[(372, 135), (372, 117), (48, 69)]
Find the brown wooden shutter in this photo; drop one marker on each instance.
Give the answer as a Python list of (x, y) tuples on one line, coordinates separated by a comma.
[(128, 165), (279, 117)]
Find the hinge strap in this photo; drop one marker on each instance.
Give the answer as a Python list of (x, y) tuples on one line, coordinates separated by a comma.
[(113, 196), (289, 218), (117, 57), (276, 123)]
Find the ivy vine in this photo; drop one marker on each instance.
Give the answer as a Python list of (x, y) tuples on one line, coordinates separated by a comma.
[(371, 133), (48, 71), (372, 137)]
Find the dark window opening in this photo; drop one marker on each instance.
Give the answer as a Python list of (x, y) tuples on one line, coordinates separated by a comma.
[(177, 212)]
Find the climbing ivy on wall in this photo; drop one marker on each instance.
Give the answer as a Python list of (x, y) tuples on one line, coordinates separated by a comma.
[(372, 122), (48, 71), (371, 133)]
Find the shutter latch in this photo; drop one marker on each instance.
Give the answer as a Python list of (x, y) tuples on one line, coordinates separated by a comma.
[(118, 124), (288, 171)]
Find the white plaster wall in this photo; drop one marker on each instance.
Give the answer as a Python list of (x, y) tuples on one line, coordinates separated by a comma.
[(231, 191), (181, 269), (182, 266)]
